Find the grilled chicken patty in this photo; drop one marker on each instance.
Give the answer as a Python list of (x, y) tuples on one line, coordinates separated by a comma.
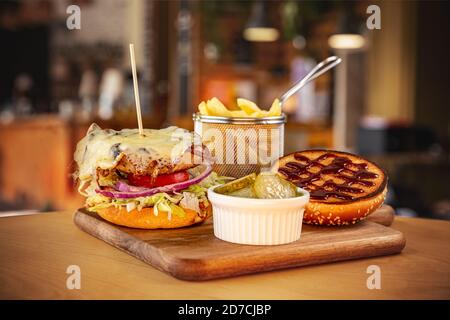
[(138, 166), (156, 152)]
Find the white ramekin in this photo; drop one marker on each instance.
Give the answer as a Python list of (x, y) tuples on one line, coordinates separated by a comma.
[(257, 221)]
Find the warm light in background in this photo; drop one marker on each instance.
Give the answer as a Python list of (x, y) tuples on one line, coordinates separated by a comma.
[(258, 27), (261, 34), (346, 41)]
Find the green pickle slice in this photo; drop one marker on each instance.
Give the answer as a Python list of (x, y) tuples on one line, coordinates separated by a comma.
[(269, 185), (237, 184), (247, 192), (266, 185)]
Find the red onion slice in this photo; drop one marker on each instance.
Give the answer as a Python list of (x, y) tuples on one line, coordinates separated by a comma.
[(136, 192), (125, 187)]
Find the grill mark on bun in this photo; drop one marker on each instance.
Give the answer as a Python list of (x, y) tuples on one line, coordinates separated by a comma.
[(333, 211)]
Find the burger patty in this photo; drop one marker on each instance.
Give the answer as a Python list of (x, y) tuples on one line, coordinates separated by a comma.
[(143, 163), (133, 165)]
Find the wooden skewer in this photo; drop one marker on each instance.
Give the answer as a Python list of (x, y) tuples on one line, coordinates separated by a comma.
[(136, 90)]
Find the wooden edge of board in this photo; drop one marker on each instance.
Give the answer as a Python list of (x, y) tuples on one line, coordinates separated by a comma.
[(104, 231), (201, 270), (183, 269), (383, 215)]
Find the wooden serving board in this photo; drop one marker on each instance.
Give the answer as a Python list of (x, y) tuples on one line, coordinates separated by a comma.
[(194, 253)]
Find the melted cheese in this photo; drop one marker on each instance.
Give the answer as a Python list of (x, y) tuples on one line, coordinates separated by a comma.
[(102, 148)]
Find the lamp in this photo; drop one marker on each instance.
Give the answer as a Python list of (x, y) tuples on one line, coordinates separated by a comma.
[(348, 36), (258, 27), (346, 41), (349, 80)]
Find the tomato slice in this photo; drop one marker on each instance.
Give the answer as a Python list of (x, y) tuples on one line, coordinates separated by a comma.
[(159, 181)]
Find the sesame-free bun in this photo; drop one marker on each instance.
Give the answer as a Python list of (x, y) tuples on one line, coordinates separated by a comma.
[(146, 219), (344, 188)]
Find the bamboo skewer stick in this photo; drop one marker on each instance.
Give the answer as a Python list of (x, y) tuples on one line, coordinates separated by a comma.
[(136, 90)]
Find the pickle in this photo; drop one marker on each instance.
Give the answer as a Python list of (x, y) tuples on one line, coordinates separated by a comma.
[(267, 185), (237, 184), (270, 185), (246, 192)]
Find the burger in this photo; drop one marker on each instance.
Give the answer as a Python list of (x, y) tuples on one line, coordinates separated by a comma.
[(157, 179), (344, 188)]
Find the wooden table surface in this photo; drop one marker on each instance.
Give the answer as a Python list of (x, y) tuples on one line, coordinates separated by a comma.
[(36, 250)]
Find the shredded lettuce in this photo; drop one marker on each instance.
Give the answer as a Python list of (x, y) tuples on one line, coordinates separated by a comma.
[(196, 189), (213, 180), (173, 204), (202, 187), (177, 210), (190, 201), (160, 201)]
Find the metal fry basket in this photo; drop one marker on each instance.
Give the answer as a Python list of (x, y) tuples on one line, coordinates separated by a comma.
[(241, 146)]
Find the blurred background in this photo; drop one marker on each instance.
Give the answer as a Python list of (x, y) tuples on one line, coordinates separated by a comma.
[(388, 100)]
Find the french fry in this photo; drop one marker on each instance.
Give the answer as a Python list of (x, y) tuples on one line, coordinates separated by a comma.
[(275, 109), (259, 114), (239, 113), (247, 106), (202, 108), (216, 108)]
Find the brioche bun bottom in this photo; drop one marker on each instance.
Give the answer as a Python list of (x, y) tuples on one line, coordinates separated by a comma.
[(337, 214), (146, 219)]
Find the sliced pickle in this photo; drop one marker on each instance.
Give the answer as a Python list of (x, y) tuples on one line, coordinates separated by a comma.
[(247, 192), (237, 184), (270, 185)]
